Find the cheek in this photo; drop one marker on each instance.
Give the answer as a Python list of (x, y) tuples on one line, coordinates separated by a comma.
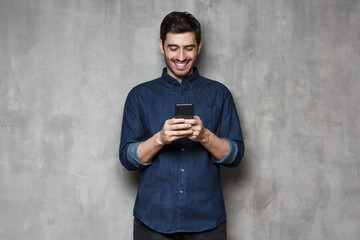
[(192, 55), (170, 55)]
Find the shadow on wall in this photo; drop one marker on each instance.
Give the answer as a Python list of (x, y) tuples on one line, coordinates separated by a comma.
[(129, 179), (239, 175)]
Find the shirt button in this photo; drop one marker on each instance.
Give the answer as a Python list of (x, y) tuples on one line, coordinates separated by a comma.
[(183, 149), (182, 170), (181, 191)]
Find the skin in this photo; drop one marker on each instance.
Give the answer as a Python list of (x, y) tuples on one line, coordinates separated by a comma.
[(180, 52)]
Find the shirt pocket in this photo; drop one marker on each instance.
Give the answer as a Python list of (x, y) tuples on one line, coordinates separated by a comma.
[(209, 116)]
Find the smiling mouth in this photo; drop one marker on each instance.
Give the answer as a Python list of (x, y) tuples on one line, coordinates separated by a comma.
[(181, 65)]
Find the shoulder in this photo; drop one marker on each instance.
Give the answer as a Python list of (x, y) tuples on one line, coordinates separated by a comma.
[(145, 87), (213, 85), (211, 82), (146, 84)]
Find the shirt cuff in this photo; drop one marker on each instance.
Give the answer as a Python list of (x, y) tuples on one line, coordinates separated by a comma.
[(231, 156), (132, 156)]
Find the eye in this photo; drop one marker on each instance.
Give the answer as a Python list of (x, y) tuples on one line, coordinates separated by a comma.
[(189, 48), (173, 49)]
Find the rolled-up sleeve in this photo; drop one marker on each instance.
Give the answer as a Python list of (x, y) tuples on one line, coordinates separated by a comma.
[(231, 156), (230, 130), (131, 134), (132, 156)]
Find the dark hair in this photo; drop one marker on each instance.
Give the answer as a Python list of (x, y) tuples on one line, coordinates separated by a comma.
[(180, 22)]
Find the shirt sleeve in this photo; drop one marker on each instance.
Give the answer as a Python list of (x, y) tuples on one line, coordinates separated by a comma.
[(230, 130), (231, 156), (132, 133), (132, 156)]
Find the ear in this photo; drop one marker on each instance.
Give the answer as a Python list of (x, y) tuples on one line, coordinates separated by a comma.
[(161, 46), (199, 47)]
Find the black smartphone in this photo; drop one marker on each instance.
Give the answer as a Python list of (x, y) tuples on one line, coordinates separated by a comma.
[(184, 111)]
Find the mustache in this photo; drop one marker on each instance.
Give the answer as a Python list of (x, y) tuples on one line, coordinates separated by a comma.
[(179, 61)]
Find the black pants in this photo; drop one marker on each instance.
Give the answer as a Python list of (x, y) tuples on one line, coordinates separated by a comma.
[(143, 232)]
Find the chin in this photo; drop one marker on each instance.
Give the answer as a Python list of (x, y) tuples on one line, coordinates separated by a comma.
[(182, 74)]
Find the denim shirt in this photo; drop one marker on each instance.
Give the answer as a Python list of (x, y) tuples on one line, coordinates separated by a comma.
[(180, 189)]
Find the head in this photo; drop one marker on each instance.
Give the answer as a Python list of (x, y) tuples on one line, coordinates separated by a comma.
[(180, 42), (180, 22)]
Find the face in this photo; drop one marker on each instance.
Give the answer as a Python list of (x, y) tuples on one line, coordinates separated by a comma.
[(180, 51)]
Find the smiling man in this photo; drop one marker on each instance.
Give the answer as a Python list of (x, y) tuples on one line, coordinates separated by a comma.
[(180, 51), (179, 194)]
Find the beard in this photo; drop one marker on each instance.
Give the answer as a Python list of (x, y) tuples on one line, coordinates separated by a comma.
[(180, 74)]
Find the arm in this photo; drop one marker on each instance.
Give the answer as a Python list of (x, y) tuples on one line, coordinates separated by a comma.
[(173, 129), (135, 150), (218, 147), (226, 145)]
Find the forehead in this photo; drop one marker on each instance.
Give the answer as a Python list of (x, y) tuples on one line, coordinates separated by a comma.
[(185, 38)]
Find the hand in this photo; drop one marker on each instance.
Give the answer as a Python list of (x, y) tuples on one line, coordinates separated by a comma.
[(174, 129), (199, 131)]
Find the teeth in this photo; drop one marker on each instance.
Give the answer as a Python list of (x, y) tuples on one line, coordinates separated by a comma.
[(180, 64)]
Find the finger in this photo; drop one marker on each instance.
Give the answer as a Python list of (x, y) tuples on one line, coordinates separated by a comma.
[(191, 137), (196, 133), (180, 126), (191, 121), (176, 120), (195, 121), (180, 132), (196, 127)]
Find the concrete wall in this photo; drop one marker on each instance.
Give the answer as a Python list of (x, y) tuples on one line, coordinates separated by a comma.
[(67, 66)]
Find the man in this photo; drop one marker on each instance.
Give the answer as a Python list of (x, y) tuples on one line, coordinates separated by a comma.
[(179, 194)]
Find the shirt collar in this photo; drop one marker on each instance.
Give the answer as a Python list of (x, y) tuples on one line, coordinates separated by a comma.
[(171, 82)]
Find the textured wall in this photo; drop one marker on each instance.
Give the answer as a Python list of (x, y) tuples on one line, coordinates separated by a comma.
[(67, 66)]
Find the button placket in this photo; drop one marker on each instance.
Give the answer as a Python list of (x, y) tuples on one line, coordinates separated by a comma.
[(181, 170)]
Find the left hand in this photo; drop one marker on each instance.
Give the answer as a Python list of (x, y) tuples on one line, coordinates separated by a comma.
[(216, 146), (198, 134)]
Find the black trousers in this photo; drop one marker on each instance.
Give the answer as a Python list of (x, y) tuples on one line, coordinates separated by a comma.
[(143, 232)]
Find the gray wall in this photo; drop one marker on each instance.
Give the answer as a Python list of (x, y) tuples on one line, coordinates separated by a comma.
[(67, 66)]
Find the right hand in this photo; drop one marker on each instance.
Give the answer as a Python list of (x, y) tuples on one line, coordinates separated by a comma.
[(173, 129)]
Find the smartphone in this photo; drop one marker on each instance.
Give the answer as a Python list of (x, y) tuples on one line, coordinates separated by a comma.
[(184, 111)]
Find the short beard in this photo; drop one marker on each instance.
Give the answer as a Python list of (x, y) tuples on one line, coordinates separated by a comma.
[(183, 75)]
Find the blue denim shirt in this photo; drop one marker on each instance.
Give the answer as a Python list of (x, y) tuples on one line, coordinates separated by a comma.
[(180, 189)]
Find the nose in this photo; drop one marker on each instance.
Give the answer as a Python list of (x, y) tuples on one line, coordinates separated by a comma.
[(181, 55)]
